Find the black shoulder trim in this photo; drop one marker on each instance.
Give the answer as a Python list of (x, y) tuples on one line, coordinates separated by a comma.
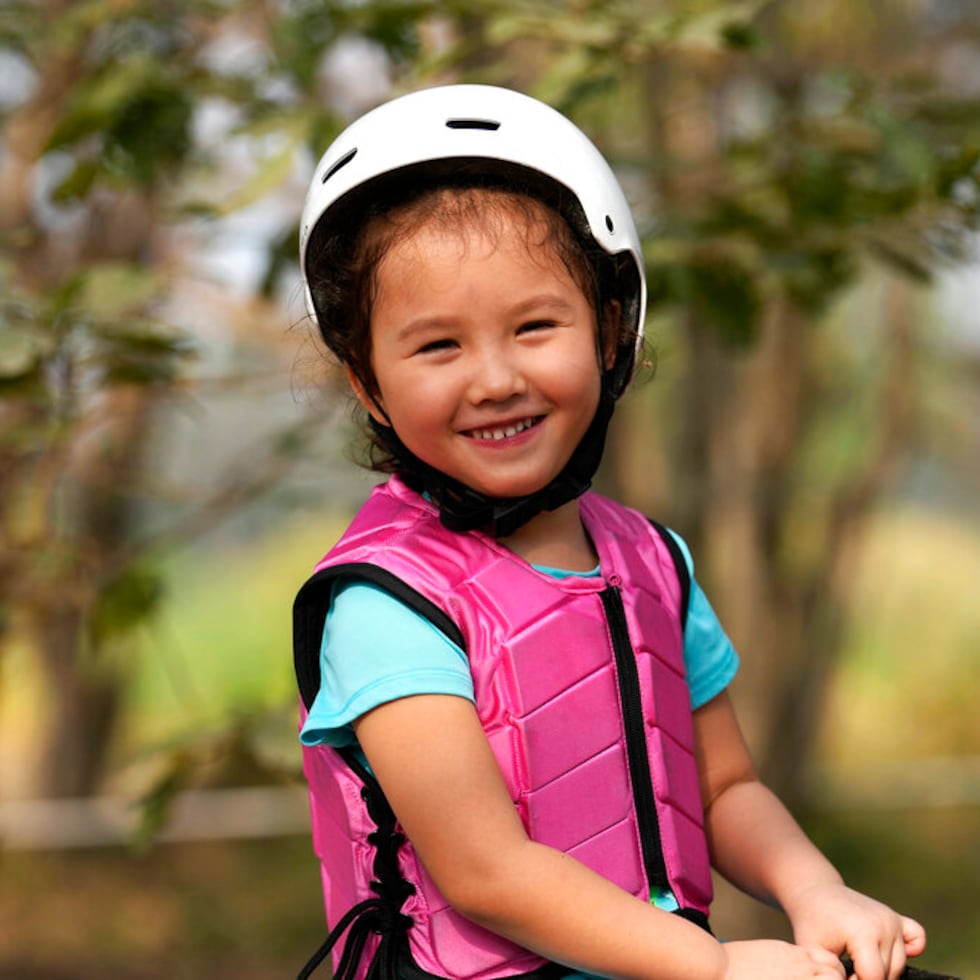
[(683, 575), (310, 612)]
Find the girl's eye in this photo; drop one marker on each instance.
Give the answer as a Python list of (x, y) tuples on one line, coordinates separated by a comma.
[(535, 325), (436, 345)]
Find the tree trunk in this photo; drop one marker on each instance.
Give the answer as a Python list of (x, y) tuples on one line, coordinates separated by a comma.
[(753, 441), (822, 597), (83, 701), (84, 685)]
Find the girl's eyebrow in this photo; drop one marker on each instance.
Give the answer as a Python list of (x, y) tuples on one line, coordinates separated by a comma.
[(422, 325), (548, 301)]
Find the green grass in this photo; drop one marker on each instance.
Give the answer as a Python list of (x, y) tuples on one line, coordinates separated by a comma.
[(221, 649), (909, 679), (907, 689)]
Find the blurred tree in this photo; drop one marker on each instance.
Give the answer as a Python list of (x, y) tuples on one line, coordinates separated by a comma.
[(772, 149), (82, 358), (787, 168), (778, 154), (104, 163)]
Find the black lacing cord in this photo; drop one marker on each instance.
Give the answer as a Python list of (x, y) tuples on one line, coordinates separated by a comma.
[(357, 915), (379, 916)]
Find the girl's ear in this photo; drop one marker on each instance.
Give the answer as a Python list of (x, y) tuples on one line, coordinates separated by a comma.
[(612, 317), (373, 405)]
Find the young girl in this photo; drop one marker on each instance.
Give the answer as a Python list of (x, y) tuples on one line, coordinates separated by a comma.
[(517, 736)]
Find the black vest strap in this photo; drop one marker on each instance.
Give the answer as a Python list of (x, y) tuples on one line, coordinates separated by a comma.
[(310, 613), (683, 574)]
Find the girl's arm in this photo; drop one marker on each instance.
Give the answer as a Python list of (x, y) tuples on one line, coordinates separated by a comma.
[(757, 845), (434, 763)]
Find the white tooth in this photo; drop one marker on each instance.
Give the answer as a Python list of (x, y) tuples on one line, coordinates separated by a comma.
[(497, 434)]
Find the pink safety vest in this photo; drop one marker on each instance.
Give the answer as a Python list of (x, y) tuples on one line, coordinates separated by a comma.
[(580, 688)]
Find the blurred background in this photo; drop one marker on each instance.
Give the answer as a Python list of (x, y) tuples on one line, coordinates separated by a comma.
[(176, 451)]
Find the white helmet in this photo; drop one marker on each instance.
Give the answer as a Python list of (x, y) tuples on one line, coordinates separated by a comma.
[(476, 123)]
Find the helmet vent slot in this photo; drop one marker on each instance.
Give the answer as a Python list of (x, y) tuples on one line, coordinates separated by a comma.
[(609, 223), (342, 162), (487, 124)]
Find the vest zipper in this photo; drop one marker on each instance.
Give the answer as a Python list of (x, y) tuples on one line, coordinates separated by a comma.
[(637, 756)]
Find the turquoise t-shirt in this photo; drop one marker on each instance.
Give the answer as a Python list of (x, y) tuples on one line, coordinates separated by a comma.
[(424, 660)]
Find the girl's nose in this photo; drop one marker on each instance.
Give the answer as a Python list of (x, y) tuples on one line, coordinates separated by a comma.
[(496, 377)]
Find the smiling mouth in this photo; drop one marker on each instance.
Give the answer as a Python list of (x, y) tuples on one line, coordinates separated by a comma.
[(504, 431)]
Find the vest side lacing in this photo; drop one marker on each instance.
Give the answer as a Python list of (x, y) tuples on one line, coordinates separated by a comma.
[(382, 915)]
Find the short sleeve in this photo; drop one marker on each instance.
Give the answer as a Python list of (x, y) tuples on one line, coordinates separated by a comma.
[(710, 659), (376, 649)]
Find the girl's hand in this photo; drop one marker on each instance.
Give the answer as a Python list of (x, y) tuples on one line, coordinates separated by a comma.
[(773, 960), (840, 919)]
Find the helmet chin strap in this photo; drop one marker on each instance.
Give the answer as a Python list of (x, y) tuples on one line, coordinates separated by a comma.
[(463, 509)]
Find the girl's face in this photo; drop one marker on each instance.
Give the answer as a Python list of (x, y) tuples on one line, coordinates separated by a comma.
[(484, 351)]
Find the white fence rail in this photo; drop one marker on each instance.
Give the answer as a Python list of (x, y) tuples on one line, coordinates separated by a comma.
[(199, 815), (258, 812)]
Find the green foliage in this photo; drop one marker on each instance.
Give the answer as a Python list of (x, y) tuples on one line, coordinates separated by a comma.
[(157, 801), (805, 207), (86, 329), (719, 285), (22, 351), (124, 601), (299, 38), (132, 122)]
